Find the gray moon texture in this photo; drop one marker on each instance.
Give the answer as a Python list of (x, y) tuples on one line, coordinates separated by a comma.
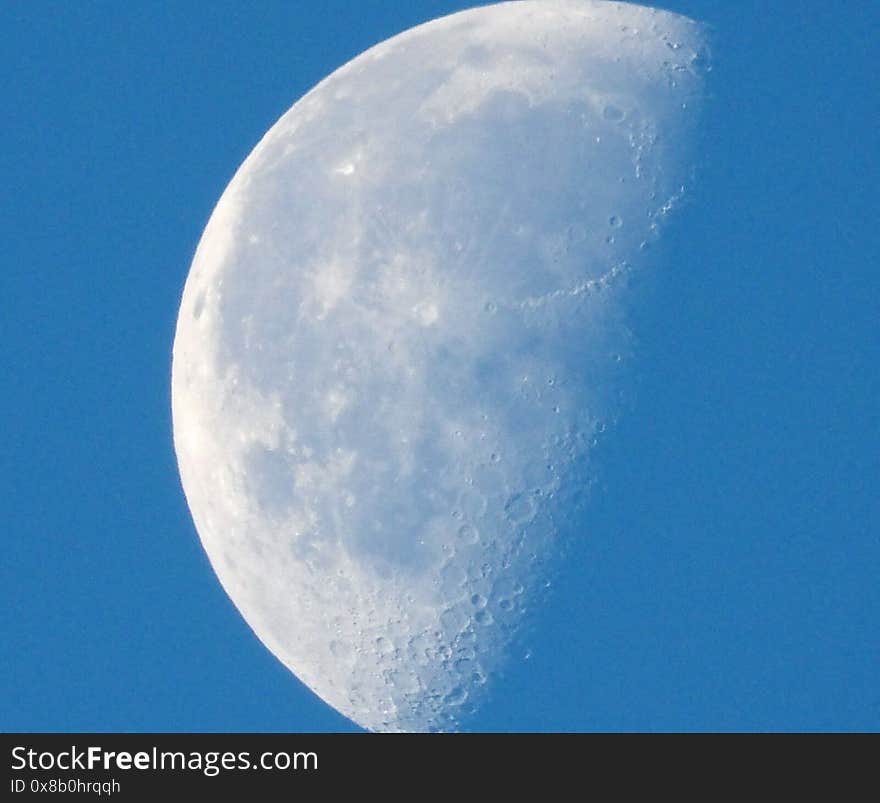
[(399, 338)]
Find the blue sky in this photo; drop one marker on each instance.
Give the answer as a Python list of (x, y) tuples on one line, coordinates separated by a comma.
[(729, 579)]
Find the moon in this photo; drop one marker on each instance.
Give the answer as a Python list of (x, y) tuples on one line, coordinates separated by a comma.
[(400, 336)]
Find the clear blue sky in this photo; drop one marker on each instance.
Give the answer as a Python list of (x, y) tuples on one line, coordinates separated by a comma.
[(731, 579)]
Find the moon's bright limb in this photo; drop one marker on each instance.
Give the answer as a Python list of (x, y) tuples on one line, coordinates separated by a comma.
[(397, 332)]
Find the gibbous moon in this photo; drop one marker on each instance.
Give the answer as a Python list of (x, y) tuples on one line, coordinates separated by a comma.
[(400, 334)]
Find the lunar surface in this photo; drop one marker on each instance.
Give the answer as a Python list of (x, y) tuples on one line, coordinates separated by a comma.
[(399, 336)]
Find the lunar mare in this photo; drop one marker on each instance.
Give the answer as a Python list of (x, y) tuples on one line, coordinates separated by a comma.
[(399, 333)]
